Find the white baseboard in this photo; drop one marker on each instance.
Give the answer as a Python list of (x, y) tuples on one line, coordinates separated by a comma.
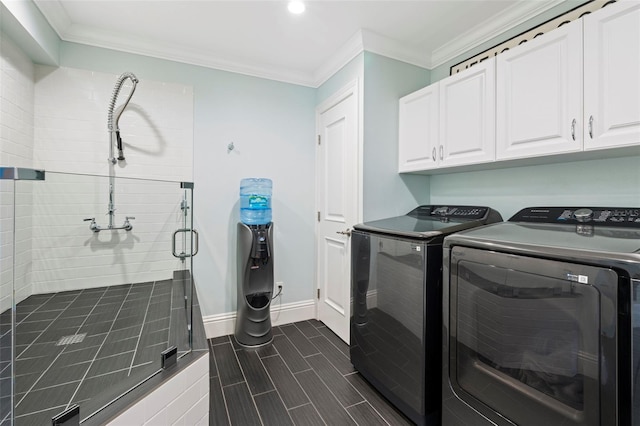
[(224, 324)]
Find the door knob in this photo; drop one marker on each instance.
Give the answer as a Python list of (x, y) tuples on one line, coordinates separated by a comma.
[(346, 232)]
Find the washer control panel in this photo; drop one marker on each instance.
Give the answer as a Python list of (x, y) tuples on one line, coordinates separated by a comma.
[(450, 212), (604, 216)]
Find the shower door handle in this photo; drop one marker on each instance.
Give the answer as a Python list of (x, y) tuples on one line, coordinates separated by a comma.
[(196, 245)]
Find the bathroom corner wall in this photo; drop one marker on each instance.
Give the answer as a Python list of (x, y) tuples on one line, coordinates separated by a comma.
[(387, 193), (16, 150)]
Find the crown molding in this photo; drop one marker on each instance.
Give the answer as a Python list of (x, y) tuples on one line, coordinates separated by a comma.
[(352, 48), (505, 21), (29, 29), (55, 14), (362, 40), (371, 42), (394, 49), (90, 36), (57, 17)]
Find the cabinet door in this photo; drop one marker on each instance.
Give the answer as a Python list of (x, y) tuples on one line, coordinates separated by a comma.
[(539, 95), (612, 76), (467, 116), (418, 130)]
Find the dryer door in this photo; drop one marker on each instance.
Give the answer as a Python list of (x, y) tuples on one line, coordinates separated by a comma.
[(533, 340)]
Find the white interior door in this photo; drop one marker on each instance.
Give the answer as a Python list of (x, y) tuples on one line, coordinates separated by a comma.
[(337, 202)]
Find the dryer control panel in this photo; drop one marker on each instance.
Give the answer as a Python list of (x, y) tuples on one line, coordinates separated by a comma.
[(603, 216)]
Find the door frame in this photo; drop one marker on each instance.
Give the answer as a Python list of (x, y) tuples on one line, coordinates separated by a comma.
[(352, 88)]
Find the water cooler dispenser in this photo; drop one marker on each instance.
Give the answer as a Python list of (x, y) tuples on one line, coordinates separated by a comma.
[(255, 264)]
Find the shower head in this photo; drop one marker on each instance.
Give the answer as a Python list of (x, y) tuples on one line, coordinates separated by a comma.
[(112, 124), (114, 96), (131, 76)]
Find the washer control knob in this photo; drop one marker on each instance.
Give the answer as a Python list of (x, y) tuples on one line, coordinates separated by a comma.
[(583, 215), (442, 211)]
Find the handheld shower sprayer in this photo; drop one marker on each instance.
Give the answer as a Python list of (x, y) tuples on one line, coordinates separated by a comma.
[(115, 139), (114, 130)]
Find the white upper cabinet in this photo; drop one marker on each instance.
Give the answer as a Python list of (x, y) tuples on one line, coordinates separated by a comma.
[(449, 123), (573, 89), (418, 130), (612, 76), (467, 116), (539, 95)]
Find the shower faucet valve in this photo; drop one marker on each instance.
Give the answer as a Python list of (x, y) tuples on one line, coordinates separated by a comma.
[(93, 225), (127, 226)]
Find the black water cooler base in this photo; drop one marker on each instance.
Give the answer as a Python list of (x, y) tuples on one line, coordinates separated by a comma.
[(255, 285)]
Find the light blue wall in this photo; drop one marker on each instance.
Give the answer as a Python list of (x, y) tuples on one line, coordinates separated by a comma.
[(382, 82), (613, 182), (272, 126), (351, 71), (386, 193)]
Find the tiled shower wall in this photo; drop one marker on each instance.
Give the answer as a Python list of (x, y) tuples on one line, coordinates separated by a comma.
[(71, 136), (17, 94), (56, 119), (67, 255), (71, 107), (16, 149)]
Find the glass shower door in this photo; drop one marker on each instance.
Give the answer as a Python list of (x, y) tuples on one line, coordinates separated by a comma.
[(94, 295), (184, 247)]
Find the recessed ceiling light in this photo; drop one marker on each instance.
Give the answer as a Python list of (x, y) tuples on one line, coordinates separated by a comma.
[(296, 7)]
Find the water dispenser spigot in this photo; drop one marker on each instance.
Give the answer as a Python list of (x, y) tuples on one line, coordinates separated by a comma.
[(260, 246)]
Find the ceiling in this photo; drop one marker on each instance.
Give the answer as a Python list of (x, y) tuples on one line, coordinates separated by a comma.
[(262, 38)]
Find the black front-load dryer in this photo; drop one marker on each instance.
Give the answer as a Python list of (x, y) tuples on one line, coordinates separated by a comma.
[(542, 320), (396, 320)]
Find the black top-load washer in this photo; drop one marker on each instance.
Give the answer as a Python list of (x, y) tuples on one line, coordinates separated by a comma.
[(541, 320), (396, 320)]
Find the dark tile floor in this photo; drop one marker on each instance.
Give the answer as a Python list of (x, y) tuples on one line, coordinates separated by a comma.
[(123, 329), (303, 378)]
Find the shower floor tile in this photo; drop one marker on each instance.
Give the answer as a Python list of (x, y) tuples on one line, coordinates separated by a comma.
[(126, 326)]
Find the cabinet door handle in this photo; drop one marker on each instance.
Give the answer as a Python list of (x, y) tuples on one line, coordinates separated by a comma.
[(441, 152), (573, 129), (433, 153), (591, 126)]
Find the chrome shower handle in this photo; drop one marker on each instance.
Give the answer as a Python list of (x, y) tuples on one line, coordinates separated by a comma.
[(93, 225), (196, 243)]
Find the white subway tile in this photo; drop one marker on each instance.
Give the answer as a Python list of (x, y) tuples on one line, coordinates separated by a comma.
[(159, 419), (197, 411)]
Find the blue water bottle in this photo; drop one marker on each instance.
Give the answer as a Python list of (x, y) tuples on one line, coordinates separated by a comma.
[(255, 201)]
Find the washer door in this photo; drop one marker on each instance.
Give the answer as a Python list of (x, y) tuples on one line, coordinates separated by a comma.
[(529, 336)]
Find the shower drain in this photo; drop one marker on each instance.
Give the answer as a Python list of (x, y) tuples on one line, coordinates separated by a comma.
[(69, 340)]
